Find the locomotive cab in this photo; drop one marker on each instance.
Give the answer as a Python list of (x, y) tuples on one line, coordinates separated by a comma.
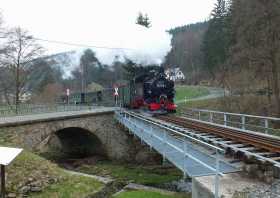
[(153, 91)]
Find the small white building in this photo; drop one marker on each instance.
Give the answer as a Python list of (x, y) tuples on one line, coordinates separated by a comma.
[(175, 74), (25, 97)]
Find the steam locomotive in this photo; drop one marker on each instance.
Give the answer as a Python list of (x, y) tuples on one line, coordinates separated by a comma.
[(152, 91)]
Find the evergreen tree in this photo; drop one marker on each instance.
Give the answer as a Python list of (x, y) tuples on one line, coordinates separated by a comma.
[(143, 20), (130, 69), (217, 38)]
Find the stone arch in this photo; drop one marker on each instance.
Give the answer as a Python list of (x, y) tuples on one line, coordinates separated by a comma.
[(117, 142), (77, 142)]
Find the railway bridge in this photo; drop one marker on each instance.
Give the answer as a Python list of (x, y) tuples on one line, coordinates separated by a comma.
[(204, 143), (200, 143)]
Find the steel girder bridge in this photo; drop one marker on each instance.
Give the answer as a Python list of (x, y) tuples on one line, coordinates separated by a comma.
[(192, 156)]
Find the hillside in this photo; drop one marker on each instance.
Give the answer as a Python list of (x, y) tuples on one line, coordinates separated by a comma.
[(186, 51)]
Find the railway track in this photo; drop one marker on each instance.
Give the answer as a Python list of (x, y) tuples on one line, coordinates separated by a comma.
[(261, 147)]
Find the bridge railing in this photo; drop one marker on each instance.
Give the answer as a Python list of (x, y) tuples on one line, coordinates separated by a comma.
[(27, 109), (180, 148), (268, 125)]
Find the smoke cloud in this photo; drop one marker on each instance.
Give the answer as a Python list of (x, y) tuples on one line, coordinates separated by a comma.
[(143, 45), (140, 44)]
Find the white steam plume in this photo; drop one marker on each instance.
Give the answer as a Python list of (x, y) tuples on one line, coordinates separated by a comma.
[(140, 44)]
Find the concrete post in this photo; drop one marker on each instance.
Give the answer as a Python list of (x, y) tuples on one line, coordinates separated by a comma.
[(164, 149), (217, 175), (266, 125), (185, 158), (243, 122)]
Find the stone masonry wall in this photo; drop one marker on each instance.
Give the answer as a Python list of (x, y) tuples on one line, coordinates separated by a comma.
[(118, 143)]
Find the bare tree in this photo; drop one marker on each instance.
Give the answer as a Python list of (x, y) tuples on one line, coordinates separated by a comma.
[(20, 49), (257, 43), (49, 94)]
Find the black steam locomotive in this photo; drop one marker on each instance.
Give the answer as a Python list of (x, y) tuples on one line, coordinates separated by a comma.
[(151, 90)]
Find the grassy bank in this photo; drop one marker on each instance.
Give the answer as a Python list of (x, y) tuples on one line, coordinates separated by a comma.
[(71, 186), (146, 175), (37, 177), (247, 104), (213, 104), (188, 92), (34, 176)]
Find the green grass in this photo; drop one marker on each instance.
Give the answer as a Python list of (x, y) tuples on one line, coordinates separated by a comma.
[(146, 175), (147, 194), (29, 166), (213, 104), (189, 92), (53, 180), (70, 187)]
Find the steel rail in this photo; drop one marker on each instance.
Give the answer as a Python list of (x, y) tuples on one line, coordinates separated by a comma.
[(226, 135), (268, 143)]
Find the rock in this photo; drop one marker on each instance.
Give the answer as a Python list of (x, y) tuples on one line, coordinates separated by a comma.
[(36, 183), (251, 168), (142, 157), (12, 195), (184, 186), (24, 189), (35, 189), (259, 174), (268, 180), (268, 173), (52, 180), (30, 179), (178, 186)]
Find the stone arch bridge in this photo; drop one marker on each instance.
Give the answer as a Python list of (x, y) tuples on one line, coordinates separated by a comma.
[(34, 132)]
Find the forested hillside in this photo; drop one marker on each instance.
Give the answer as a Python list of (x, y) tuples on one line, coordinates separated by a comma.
[(186, 51), (238, 49), (242, 48)]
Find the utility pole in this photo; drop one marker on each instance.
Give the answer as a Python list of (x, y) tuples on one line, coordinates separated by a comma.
[(83, 83)]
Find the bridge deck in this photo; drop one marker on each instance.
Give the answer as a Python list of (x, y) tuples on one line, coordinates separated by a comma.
[(183, 152), (27, 119)]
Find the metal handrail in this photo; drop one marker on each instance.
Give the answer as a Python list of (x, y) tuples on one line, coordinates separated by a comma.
[(38, 108), (174, 131), (235, 114), (164, 140), (245, 119)]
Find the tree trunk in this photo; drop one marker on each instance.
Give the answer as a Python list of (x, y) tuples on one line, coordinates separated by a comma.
[(275, 82), (268, 89), (18, 73), (17, 89)]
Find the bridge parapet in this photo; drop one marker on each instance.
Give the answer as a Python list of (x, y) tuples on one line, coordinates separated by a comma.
[(30, 109), (54, 116)]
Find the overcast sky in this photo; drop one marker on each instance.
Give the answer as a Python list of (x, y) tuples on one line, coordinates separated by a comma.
[(101, 22)]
